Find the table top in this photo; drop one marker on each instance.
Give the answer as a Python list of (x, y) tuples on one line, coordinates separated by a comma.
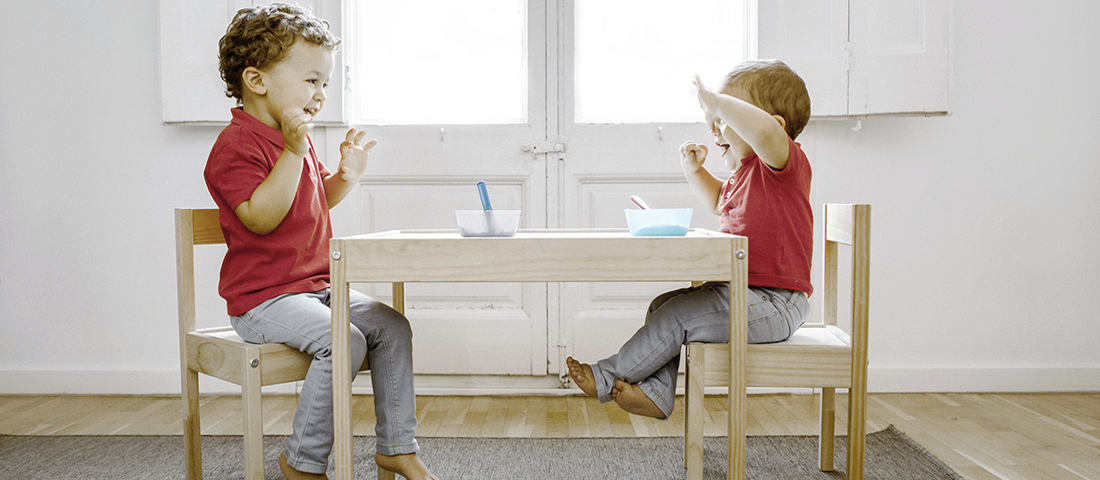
[(550, 255), (532, 233)]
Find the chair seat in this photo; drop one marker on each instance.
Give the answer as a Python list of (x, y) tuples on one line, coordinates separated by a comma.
[(226, 333), (817, 334), (218, 352), (814, 356)]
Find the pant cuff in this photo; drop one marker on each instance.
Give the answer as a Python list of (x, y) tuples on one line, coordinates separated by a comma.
[(303, 465), (403, 449)]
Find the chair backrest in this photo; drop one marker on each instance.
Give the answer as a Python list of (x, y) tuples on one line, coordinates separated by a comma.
[(848, 225), (193, 227)]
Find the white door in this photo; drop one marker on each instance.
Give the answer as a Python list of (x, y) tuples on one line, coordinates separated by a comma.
[(561, 167), (452, 92)]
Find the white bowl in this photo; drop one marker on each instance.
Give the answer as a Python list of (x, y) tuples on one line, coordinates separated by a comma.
[(487, 223), (656, 222)]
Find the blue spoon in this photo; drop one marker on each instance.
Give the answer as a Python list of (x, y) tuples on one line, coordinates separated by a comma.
[(484, 196)]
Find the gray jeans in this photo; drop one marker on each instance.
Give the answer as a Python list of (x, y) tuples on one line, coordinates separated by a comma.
[(651, 357), (304, 321)]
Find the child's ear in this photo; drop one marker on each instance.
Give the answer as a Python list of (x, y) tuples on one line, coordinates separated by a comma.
[(782, 121), (253, 80)]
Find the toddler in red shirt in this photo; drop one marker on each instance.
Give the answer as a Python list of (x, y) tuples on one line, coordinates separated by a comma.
[(274, 196), (760, 109)]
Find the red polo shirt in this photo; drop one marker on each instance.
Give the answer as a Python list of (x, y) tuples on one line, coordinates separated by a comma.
[(293, 258), (772, 208)]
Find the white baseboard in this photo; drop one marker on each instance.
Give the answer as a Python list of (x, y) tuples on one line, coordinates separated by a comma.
[(961, 378), (882, 379)]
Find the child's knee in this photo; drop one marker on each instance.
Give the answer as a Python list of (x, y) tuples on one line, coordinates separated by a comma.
[(358, 343), (398, 327)]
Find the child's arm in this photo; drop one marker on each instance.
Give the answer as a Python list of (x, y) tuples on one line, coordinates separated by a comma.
[(762, 131), (353, 162), (706, 186), (271, 200)]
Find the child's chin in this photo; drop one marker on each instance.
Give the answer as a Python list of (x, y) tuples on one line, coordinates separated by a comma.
[(731, 163)]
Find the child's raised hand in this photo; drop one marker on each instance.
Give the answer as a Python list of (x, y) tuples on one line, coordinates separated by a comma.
[(353, 155), (692, 156), (707, 99), (295, 125)]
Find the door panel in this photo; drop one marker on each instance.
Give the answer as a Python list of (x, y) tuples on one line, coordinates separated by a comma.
[(418, 175)]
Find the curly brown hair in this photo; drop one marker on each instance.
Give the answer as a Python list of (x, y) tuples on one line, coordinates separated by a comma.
[(775, 88), (261, 37)]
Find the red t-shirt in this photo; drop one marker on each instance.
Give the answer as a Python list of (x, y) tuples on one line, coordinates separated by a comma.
[(772, 208), (293, 258)]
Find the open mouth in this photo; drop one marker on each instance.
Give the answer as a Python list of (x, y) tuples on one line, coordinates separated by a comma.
[(724, 146), (311, 111)]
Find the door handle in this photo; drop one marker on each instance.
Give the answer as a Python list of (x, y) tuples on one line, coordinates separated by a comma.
[(542, 147)]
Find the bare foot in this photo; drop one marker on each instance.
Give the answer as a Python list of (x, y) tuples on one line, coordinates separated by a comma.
[(581, 373), (631, 398), (407, 465), (291, 474)]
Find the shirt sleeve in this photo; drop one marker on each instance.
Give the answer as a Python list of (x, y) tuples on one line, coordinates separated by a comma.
[(796, 164), (236, 170)]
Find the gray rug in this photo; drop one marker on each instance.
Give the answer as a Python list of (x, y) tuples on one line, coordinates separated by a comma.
[(890, 455)]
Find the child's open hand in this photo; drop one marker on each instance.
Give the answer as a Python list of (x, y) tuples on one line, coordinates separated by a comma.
[(296, 125), (707, 100), (353, 155), (692, 156)]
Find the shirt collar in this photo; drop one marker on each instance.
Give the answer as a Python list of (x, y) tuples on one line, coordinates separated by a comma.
[(250, 123)]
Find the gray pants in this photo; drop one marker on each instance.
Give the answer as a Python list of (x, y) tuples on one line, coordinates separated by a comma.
[(304, 321), (651, 357)]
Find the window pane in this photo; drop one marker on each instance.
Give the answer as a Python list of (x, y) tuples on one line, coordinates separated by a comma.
[(439, 62), (635, 59)]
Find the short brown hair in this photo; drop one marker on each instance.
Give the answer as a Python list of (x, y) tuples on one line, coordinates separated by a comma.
[(775, 88), (261, 37)]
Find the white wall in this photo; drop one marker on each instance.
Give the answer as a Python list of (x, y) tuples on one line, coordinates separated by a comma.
[(986, 235)]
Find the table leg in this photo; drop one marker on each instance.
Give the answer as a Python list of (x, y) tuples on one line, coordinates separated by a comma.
[(739, 338), (399, 297), (341, 368)]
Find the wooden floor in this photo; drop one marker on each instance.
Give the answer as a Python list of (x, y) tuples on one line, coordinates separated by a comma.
[(982, 436)]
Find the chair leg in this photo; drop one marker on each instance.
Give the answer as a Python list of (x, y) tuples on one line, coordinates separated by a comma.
[(252, 418), (192, 432), (826, 438), (857, 430), (694, 412), (687, 404)]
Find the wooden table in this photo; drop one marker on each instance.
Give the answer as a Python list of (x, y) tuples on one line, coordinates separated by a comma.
[(556, 255)]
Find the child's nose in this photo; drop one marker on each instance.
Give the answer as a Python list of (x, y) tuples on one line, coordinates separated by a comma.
[(320, 95)]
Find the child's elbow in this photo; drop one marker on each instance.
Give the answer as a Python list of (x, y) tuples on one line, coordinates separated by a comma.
[(255, 222), (260, 228)]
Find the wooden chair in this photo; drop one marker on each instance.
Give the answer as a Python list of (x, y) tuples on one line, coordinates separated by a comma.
[(220, 353), (818, 355)]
